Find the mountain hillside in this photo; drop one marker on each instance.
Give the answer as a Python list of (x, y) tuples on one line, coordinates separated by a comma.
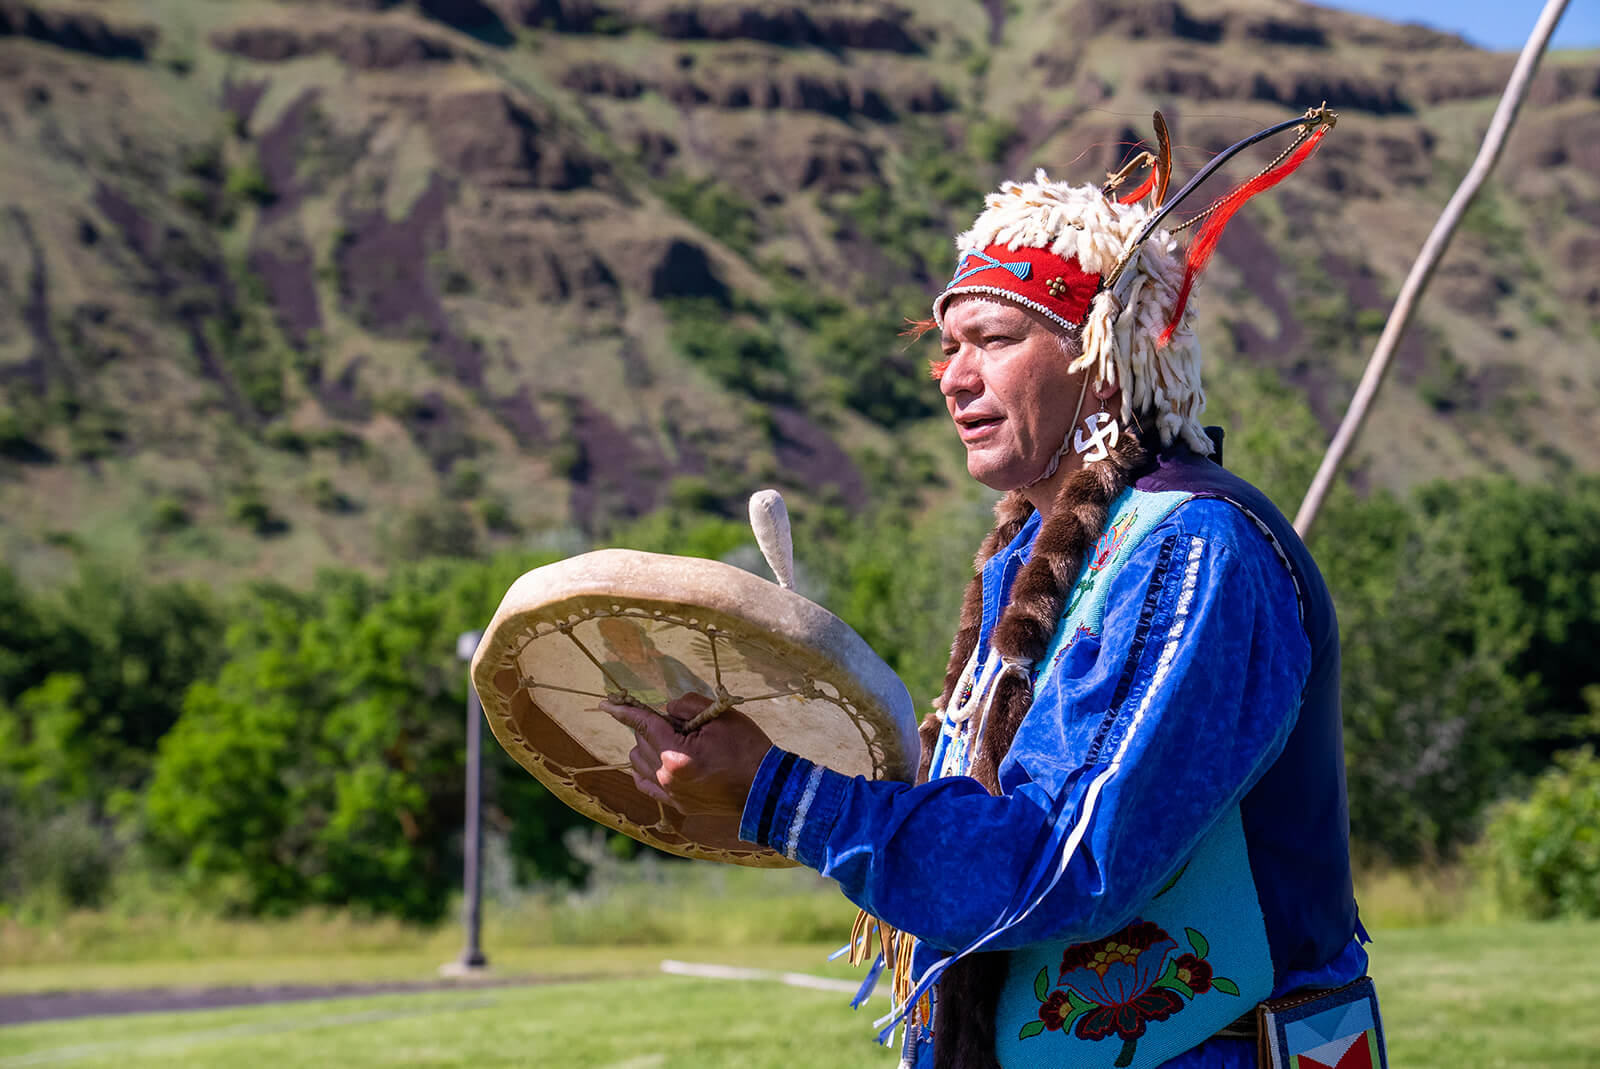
[(295, 283)]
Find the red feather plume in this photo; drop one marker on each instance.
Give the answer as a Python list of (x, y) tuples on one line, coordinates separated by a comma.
[(1144, 188), (914, 330), (1205, 242)]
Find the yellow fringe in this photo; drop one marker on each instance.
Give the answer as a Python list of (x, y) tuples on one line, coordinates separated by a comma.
[(896, 948)]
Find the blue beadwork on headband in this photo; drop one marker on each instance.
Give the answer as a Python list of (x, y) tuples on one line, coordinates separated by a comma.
[(1021, 268)]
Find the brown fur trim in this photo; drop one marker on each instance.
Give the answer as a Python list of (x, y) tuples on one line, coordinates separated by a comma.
[(1010, 513), (928, 732), (969, 991), (1039, 595)]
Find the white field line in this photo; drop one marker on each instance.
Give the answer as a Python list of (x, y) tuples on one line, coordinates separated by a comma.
[(733, 972)]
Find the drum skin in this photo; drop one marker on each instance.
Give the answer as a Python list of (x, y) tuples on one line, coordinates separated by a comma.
[(649, 628)]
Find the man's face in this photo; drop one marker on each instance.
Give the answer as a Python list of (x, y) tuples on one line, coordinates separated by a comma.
[(1006, 387)]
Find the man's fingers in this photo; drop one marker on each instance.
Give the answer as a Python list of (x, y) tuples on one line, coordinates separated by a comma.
[(628, 715), (644, 777), (651, 789), (648, 726), (645, 768)]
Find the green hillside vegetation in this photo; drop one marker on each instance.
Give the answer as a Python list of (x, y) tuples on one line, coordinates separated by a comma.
[(295, 285)]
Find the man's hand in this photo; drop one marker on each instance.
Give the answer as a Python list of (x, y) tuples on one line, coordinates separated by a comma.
[(706, 772)]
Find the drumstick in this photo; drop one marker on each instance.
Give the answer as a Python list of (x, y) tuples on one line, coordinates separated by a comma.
[(769, 519)]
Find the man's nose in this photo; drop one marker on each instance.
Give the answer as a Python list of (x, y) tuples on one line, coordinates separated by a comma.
[(963, 373)]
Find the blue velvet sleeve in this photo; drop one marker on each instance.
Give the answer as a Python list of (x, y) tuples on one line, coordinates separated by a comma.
[(1138, 740)]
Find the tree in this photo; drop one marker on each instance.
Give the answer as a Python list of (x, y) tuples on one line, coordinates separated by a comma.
[(323, 764), (1533, 553), (1544, 850), (1431, 716), (1460, 613), (91, 676)]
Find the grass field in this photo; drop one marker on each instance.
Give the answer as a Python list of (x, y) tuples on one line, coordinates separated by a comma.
[(1453, 996)]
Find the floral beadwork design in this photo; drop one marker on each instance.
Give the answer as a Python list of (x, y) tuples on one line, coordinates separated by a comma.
[(1115, 986), (1112, 540)]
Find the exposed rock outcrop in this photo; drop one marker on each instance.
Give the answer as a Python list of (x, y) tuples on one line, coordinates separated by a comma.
[(362, 45), (1144, 19), (665, 267), (77, 31), (517, 267), (886, 28), (764, 86), (1296, 88), (826, 162), (490, 139)]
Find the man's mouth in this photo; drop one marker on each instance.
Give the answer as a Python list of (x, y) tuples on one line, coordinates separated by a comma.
[(972, 428)]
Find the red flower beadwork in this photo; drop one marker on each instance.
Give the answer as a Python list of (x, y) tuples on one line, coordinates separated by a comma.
[(1196, 972), (1127, 1019), (1117, 975), (1053, 1010), (1115, 986), (1100, 954)]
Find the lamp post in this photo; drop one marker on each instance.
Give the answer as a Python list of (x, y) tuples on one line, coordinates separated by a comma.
[(472, 957)]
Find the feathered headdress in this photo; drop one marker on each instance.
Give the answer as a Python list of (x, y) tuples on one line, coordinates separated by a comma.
[(1091, 260)]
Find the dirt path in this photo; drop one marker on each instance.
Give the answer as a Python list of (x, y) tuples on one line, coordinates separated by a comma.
[(61, 1005)]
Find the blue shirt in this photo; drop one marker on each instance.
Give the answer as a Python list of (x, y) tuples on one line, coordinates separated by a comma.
[(1198, 674)]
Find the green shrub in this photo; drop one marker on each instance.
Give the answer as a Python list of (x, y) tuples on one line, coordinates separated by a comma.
[(243, 339), (871, 370), (496, 516), (991, 138), (286, 439), (247, 181), (693, 494), (167, 514), (568, 459), (203, 160), (327, 497), (1372, 320), (440, 529), (194, 198), (19, 433), (322, 763), (465, 481), (247, 507), (714, 209), (743, 358), (71, 858), (1544, 850), (95, 433), (348, 445)]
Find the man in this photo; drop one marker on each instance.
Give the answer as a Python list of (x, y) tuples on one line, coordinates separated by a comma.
[(1131, 825)]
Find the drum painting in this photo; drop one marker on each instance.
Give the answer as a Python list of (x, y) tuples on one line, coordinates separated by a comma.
[(646, 629)]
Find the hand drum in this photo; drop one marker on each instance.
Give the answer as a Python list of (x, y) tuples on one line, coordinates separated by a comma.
[(648, 628)]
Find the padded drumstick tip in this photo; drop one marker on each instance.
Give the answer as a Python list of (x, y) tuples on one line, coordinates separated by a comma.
[(769, 519)]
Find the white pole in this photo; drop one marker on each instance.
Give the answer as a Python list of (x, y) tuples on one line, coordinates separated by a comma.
[(1421, 271)]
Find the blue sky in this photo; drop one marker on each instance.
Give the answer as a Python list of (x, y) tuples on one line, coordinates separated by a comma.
[(1499, 24)]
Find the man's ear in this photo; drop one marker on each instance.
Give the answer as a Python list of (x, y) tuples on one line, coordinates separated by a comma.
[(1104, 391)]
